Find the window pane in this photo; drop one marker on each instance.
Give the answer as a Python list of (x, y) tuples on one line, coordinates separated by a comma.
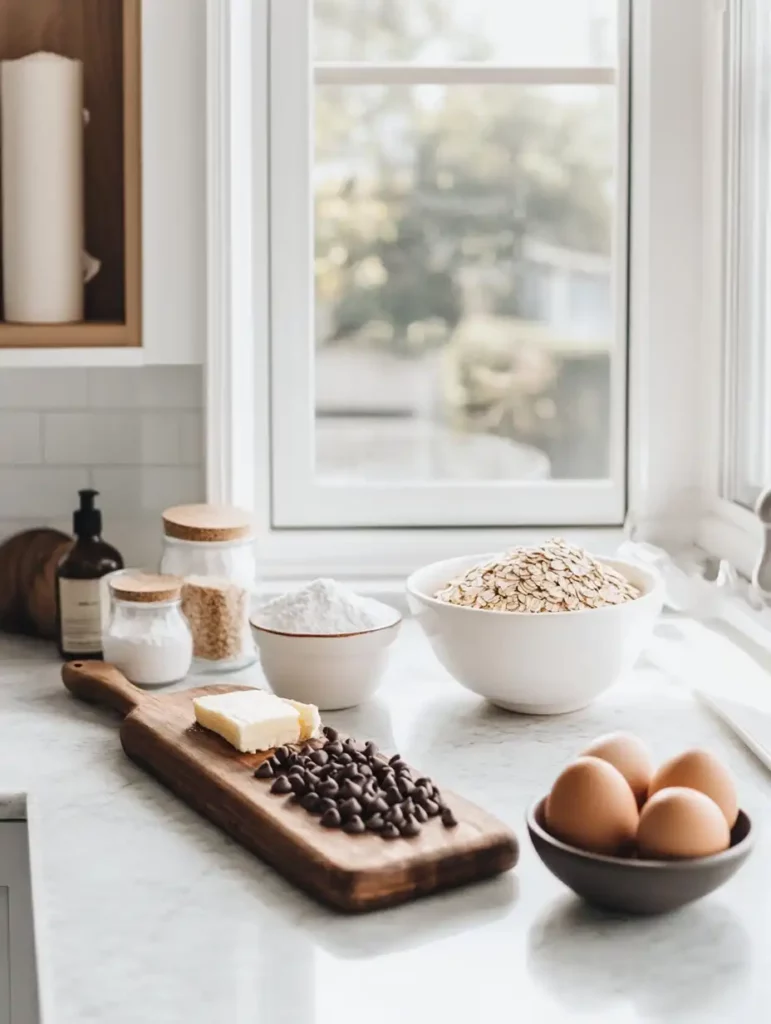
[(464, 286), (747, 468), (443, 31)]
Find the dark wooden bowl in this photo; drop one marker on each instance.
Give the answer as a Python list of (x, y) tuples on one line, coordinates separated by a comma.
[(635, 886)]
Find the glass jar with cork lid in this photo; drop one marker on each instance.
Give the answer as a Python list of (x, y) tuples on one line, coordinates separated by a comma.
[(147, 637), (211, 547)]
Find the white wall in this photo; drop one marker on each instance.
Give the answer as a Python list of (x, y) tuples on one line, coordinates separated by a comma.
[(134, 434)]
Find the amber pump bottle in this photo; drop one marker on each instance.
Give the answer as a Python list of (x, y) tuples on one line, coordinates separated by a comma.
[(81, 599)]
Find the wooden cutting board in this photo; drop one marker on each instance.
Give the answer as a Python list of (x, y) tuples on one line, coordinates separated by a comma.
[(351, 873)]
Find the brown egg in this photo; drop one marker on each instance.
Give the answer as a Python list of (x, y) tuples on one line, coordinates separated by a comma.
[(697, 769), (630, 756), (678, 823), (592, 807)]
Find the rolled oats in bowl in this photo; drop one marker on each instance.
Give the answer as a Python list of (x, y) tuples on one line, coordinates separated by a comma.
[(554, 577)]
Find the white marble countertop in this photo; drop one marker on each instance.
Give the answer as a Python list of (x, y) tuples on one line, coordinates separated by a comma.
[(149, 914)]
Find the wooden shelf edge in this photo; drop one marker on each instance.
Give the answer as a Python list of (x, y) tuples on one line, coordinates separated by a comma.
[(82, 335)]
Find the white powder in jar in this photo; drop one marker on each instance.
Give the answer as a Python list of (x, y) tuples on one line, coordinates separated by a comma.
[(152, 659), (322, 608)]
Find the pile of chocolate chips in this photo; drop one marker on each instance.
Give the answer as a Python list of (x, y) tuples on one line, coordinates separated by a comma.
[(352, 786)]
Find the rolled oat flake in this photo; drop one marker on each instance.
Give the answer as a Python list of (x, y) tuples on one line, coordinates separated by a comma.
[(555, 577)]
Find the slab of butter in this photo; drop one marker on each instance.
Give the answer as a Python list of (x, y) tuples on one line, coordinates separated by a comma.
[(310, 720), (251, 720)]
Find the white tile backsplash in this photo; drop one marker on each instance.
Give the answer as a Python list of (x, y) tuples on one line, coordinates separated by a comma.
[(92, 438), (134, 434), (20, 438), (138, 490), (191, 438), (39, 493), (157, 387), (44, 389)]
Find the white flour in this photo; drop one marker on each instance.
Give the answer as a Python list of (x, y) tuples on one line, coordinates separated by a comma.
[(152, 659), (324, 607)]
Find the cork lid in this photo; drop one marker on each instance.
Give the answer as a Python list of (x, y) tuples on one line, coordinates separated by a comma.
[(207, 522), (145, 587)]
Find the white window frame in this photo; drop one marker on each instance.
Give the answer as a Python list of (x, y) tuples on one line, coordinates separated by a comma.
[(300, 498), (725, 528), (665, 485)]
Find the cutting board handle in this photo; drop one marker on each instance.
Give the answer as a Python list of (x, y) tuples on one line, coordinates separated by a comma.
[(99, 683)]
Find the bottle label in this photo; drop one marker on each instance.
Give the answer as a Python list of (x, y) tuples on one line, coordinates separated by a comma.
[(80, 602)]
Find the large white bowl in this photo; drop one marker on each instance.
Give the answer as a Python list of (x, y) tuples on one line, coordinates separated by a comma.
[(333, 672), (534, 663)]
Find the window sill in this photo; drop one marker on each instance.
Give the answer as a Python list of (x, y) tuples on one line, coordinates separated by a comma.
[(732, 533), (387, 557)]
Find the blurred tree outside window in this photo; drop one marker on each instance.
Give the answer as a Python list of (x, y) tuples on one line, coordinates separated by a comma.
[(464, 247)]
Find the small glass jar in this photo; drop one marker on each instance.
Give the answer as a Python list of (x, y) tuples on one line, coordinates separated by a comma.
[(147, 637), (211, 547)]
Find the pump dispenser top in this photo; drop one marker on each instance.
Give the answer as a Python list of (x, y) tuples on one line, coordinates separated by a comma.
[(87, 520)]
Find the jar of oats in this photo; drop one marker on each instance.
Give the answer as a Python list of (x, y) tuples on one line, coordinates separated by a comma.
[(211, 547)]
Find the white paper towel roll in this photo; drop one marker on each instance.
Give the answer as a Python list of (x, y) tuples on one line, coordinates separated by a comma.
[(42, 188)]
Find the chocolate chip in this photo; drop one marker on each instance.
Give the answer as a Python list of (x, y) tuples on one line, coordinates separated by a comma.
[(380, 806), (325, 804), (448, 818), (349, 808), (281, 785), (334, 748), (375, 823), (349, 771), (395, 817), (265, 771), (394, 758), (311, 802), (420, 814), (431, 808), (420, 795), (408, 806), (331, 818), (423, 781), (389, 832), (330, 733), (319, 757), (400, 766), (297, 782), (393, 796), (296, 769), (370, 748), (366, 771), (406, 786), (350, 789), (329, 788), (410, 828), (345, 758), (354, 826)]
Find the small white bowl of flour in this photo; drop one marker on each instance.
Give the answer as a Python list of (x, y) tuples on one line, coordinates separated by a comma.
[(324, 644)]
